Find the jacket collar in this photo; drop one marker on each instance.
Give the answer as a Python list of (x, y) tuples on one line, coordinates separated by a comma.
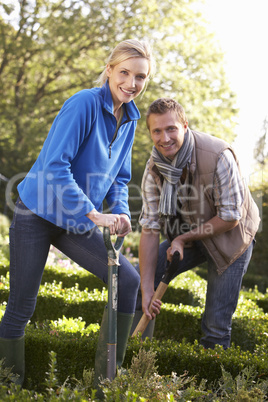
[(131, 111)]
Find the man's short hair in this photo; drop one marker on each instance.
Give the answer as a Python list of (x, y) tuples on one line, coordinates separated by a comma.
[(164, 105)]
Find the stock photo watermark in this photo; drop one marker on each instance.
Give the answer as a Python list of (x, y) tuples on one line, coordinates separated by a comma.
[(51, 197)]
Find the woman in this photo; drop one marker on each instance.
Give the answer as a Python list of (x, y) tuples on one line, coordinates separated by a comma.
[(85, 159)]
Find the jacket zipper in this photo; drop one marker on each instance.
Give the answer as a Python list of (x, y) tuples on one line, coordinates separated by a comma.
[(113, 140), (110, 151), (115, 135)]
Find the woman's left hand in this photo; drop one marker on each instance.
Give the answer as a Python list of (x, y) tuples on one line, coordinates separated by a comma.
[(125, 226)]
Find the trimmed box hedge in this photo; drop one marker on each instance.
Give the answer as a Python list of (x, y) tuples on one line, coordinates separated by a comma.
[(54, 301), (76, 293), (68, 276), (176, 321), (76, 352)]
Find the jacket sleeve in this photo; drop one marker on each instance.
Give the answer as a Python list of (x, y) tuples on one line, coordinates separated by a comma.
[(67, 133)]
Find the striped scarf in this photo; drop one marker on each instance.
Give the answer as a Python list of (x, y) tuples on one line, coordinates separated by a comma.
[(172, 171)]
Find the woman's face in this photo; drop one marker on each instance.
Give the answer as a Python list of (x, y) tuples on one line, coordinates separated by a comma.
[(127, 79)]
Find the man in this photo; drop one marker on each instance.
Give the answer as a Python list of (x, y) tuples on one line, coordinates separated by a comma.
[(194, 193)]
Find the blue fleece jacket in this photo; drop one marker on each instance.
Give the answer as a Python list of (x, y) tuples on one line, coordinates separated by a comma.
[(81, 164)]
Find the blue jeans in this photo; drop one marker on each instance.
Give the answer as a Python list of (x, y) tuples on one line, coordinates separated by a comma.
[(30, 240), (222, 290)]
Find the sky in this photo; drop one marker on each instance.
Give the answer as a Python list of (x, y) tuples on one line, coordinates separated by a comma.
[(241, 27)]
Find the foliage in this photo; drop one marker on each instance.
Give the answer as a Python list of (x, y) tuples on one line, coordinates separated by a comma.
[(73, 325), (182, 314), (4, 240), (141, 382), (143, 379), (131, 244), (243, 387), (70, 302), (67, 323), (4, 225), (69, 337), (259, 258), (258, 183)]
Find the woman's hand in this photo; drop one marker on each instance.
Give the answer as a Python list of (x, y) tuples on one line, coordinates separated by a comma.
[(125, 225), (118, 224)]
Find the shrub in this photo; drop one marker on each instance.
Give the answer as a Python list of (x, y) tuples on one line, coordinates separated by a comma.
[(4, 240), (140, 382), (4, 225), (66, 321), (75, 345), (53, 301), (142, 379), (75, 352)]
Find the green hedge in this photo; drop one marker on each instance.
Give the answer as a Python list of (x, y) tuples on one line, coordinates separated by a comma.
[(54, 301), (250, 280), (204, 364), (68, 276), (74, 293), (250, 324), (76, 352), (260, 298), (176, 321)]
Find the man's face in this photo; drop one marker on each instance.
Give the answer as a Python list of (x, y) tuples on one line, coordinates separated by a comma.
[(167, 133)]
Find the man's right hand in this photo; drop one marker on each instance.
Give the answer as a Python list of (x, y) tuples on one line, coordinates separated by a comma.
[(146, 303)]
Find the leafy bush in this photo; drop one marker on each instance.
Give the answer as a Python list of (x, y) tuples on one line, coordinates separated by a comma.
[(75, 351), (4, 240), (53, 301), (4, 225), (66, 321), (140, 382), (75, 345), (142, 379)]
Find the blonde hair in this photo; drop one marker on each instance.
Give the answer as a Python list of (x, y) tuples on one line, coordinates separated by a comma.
[(125, 50)]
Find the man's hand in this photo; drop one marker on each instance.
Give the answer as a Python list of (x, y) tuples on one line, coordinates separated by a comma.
[(155, 307), (212, 227), (176, 245)]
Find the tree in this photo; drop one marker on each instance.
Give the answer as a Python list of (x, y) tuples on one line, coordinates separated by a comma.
[(53, 48)]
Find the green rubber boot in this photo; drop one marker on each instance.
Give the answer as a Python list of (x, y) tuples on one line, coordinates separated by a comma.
[(149, 331), (12, 351), (124, 322)]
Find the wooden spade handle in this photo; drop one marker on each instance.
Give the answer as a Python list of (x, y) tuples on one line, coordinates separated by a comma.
[(144, 321)]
